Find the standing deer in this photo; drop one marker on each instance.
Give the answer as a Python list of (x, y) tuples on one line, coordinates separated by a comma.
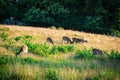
[(66, 39), (50, 40), (97, 52), (23, 49)]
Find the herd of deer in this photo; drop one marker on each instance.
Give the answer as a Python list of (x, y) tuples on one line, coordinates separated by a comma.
[(68, 40), (24, 49)]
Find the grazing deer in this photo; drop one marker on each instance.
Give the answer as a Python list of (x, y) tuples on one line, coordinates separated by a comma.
[(66, 39), (82, 40), (77, 40), (50, 40), (23, 49), (97, 52)]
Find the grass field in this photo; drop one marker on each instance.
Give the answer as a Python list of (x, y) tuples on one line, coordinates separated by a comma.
[(59, 62)]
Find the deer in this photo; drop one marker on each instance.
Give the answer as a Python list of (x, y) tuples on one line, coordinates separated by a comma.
[(77, 40), (66, 39), (97, 51), (50, 40), (23, 49)]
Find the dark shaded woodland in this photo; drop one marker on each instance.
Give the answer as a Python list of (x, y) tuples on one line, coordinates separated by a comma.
[(96, 16)]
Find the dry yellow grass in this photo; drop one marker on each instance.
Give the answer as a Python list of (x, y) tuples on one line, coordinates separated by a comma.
[(102, 42)]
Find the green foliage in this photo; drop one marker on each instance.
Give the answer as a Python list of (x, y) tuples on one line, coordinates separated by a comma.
[(38, 49), (18, 38), (84, 54), (93, 78), (51, 74), (4, 36), (54, 50), (62, 48), (5, 59), (25, 38), (58, 10), (93, 24), (114, 32), (114, 55)]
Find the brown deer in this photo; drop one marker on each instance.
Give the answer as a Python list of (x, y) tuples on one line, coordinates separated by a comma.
[(97, 52), (77, 40), (50, 40), (66, 39), (23, 49)]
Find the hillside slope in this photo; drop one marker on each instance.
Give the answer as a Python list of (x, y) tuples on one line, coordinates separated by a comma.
[(58, 62), (40, 34)]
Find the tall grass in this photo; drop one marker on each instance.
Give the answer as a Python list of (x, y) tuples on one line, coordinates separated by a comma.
[(20, 68)]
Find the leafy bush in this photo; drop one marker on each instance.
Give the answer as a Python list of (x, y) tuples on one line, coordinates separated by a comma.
[(18, 38), (39, 49), (93, 24), (114, 55), (64, 49), (51, 75), (4, 36), (71, 48), (114, 32), (54, 50), (84, 54), (25, 38)]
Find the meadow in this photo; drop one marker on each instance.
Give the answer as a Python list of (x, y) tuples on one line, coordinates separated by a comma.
[(60, 61)]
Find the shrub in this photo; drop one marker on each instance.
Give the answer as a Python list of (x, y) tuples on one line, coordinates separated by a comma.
[(25, 38), (4, 36), (54, 50), (63, 49), (114, 55), (71, 48), (84, 54), (18, 38), (39, 49)]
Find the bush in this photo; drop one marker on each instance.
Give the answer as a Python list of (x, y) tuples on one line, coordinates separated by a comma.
[(38, 49), (71, 48), (25, 38), (84, 54), (54, 50), (114, 55), (4, 36), (114, 32), (63, 49), (18, 38)]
